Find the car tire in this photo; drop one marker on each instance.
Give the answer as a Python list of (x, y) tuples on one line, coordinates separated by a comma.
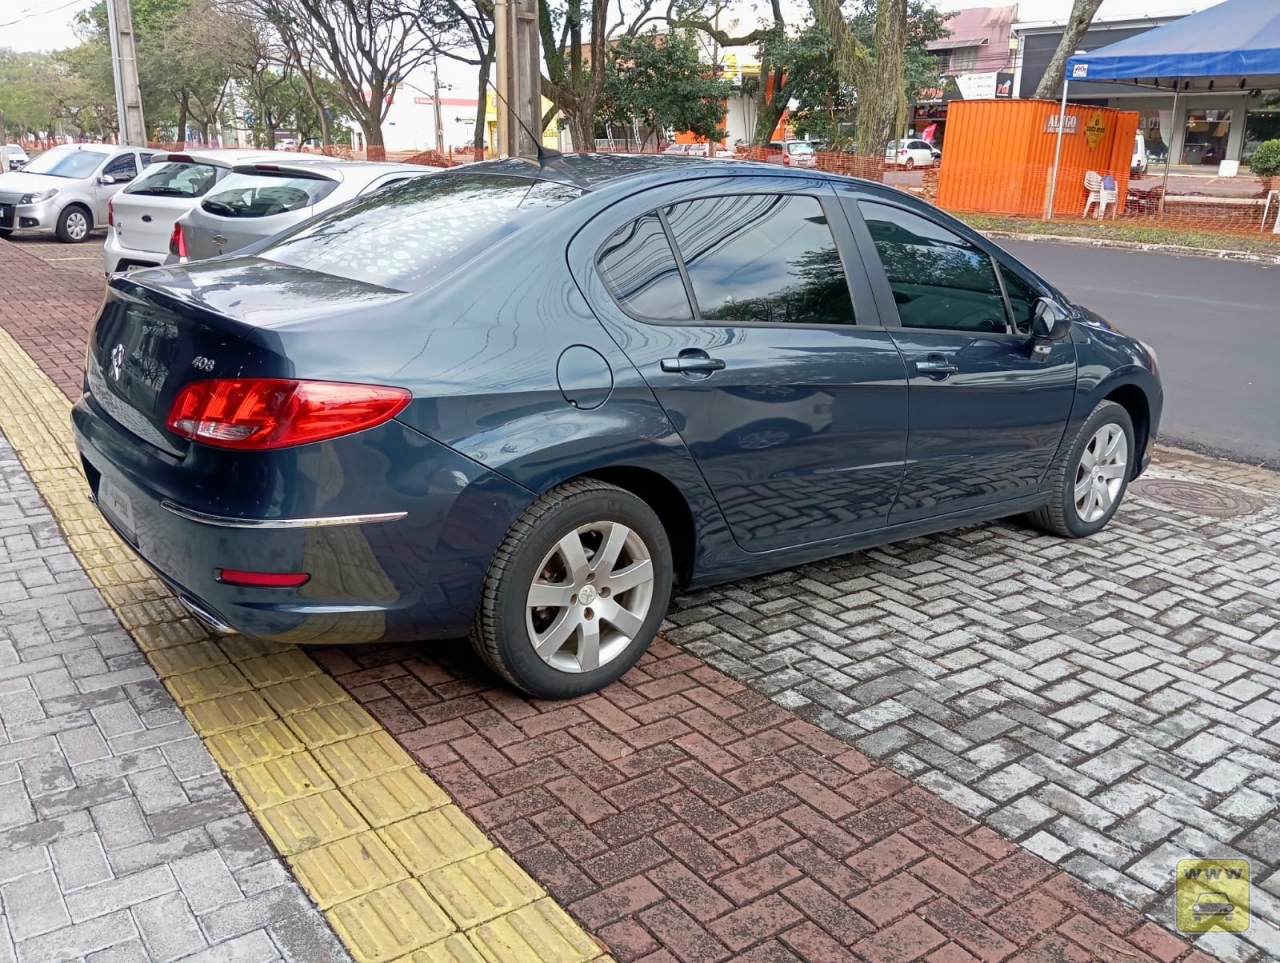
[(911, 163), (1083, 501), (592, 515), (74, 224)]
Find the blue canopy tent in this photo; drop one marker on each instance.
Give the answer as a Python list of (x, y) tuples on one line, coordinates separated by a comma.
[(1231, 46)]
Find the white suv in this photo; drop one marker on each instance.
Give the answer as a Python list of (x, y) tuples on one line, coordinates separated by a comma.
[(66, 190)]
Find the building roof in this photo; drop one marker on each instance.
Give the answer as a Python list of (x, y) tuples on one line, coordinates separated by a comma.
[(977, 27)]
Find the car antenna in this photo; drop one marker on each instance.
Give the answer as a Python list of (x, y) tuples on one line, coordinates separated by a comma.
[(547, 157)]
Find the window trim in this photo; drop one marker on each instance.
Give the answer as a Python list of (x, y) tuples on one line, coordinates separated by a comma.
[(825, 204), (879, 278)]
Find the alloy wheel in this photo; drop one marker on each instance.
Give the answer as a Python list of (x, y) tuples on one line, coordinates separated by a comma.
[(1104, 465), (590, 597)]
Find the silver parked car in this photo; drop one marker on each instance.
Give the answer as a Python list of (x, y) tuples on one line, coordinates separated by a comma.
[(66, 189), (262, 199), (141, 217)]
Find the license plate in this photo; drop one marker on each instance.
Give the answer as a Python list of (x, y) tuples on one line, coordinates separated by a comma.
[(117, 506)]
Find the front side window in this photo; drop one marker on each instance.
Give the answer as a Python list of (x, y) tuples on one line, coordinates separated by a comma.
[(1022, 299), (640, 271), (938, 279), (122, 168), (761, 258), (175, 179)]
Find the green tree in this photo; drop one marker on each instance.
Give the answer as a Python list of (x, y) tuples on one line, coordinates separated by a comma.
[(32, 86), (660, 82)]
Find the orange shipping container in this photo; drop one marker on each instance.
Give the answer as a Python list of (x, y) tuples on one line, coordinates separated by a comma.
[(999, 155)]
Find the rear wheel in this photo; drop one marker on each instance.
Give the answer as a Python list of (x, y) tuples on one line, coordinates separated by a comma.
[(1090, 475), (74, 224), (911, 163), (576, 592)]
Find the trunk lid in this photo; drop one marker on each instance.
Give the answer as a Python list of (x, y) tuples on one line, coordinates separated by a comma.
[(145, 223), (161, 329)]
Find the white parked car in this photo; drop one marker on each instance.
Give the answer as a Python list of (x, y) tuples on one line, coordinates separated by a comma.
[(261, 199), (140, 218), (17, 157), (799, 153), (286, 143), (911, 153), (1140, 162), (66, 189)]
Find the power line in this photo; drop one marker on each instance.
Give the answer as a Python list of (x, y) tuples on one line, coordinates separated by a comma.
[(39, 13)]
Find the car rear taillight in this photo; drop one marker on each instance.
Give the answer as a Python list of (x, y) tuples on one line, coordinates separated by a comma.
[(261, 413), (235, 576), (177, 243), (111, 212)]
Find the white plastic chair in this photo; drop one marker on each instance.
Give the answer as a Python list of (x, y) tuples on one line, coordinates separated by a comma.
[(1099, 195)]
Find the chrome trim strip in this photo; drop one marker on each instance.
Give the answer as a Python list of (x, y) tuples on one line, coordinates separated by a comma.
[(210, 621), (223, 521)]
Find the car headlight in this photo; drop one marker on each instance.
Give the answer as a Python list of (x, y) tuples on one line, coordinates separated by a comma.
[(37, 197)]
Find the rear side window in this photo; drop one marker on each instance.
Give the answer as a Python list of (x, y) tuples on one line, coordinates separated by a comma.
[(938, 279), (762, 258), (175, 179), (266, 195), (122, 168), (641, 272), (403, 236)]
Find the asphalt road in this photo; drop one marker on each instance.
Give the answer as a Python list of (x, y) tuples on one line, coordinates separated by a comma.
[(1215, 327)]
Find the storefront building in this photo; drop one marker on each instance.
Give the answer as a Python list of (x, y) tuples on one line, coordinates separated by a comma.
[(974, 63), (1209, 127)]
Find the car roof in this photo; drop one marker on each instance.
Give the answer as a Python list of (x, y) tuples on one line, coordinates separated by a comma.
[(96, 148), (334, 168), (223, 157)]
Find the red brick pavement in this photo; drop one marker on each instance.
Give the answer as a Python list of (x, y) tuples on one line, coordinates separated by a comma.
[(48, 312), (681, 816)]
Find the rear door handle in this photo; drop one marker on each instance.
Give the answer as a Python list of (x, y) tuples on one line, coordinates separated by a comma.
[(936, 365), (692, 362)]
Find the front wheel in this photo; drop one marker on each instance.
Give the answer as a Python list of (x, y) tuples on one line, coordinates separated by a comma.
[(1090, 475), (576, 592), (73, 225)]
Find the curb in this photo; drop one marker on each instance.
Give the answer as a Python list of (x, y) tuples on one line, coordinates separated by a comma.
[(1220, 254)]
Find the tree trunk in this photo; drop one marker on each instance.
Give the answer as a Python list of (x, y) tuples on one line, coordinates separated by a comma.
[(182, 121), (482, 96), (1082, 13), (325, 137), (582, 126), (879, 114)]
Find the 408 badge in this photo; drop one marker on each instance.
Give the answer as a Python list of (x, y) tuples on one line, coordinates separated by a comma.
[(1213, 894)]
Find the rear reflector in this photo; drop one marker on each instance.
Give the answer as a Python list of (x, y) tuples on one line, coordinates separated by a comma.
[(234, 576), (262, 413), (177, 243)]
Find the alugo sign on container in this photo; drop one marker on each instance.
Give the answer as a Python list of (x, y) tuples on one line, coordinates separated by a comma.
[(1051, 124)]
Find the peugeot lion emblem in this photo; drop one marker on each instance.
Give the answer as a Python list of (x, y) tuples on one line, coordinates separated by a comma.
[(117, 359)]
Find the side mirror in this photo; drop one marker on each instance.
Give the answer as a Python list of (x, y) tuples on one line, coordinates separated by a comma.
[(1051, 322), (107, 179)]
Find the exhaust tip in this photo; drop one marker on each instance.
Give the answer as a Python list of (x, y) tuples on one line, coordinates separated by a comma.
[(209, 621)]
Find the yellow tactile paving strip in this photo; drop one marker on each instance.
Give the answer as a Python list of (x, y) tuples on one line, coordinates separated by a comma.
[(401, 873)]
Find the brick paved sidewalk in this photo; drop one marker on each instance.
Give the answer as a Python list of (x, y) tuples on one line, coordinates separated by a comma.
[(120, 840)]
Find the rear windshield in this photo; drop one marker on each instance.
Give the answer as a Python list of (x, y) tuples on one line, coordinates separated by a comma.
[(406, 234), (800, 148), (265, 195), (175, 179)]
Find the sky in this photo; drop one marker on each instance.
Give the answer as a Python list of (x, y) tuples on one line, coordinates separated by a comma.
[(47, 24)]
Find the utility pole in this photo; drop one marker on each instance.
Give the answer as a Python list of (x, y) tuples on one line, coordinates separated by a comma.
[(124, 66), (518, 59)]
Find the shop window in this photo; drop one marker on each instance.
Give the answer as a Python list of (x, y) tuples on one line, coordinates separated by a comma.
[(1206, 136), (1260, 125)]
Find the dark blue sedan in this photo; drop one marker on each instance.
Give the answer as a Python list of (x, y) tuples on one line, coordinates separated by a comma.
[(528, 401)]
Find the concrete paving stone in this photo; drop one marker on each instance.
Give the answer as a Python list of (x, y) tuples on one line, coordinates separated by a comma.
[(33, 905), (79, 861), (205, 880), (168, 927)]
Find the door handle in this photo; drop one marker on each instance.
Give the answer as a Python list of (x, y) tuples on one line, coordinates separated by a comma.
[(692, 362), (936, 364)]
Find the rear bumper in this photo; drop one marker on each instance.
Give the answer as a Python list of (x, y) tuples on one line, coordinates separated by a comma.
[(116, 256), (412, 571)]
